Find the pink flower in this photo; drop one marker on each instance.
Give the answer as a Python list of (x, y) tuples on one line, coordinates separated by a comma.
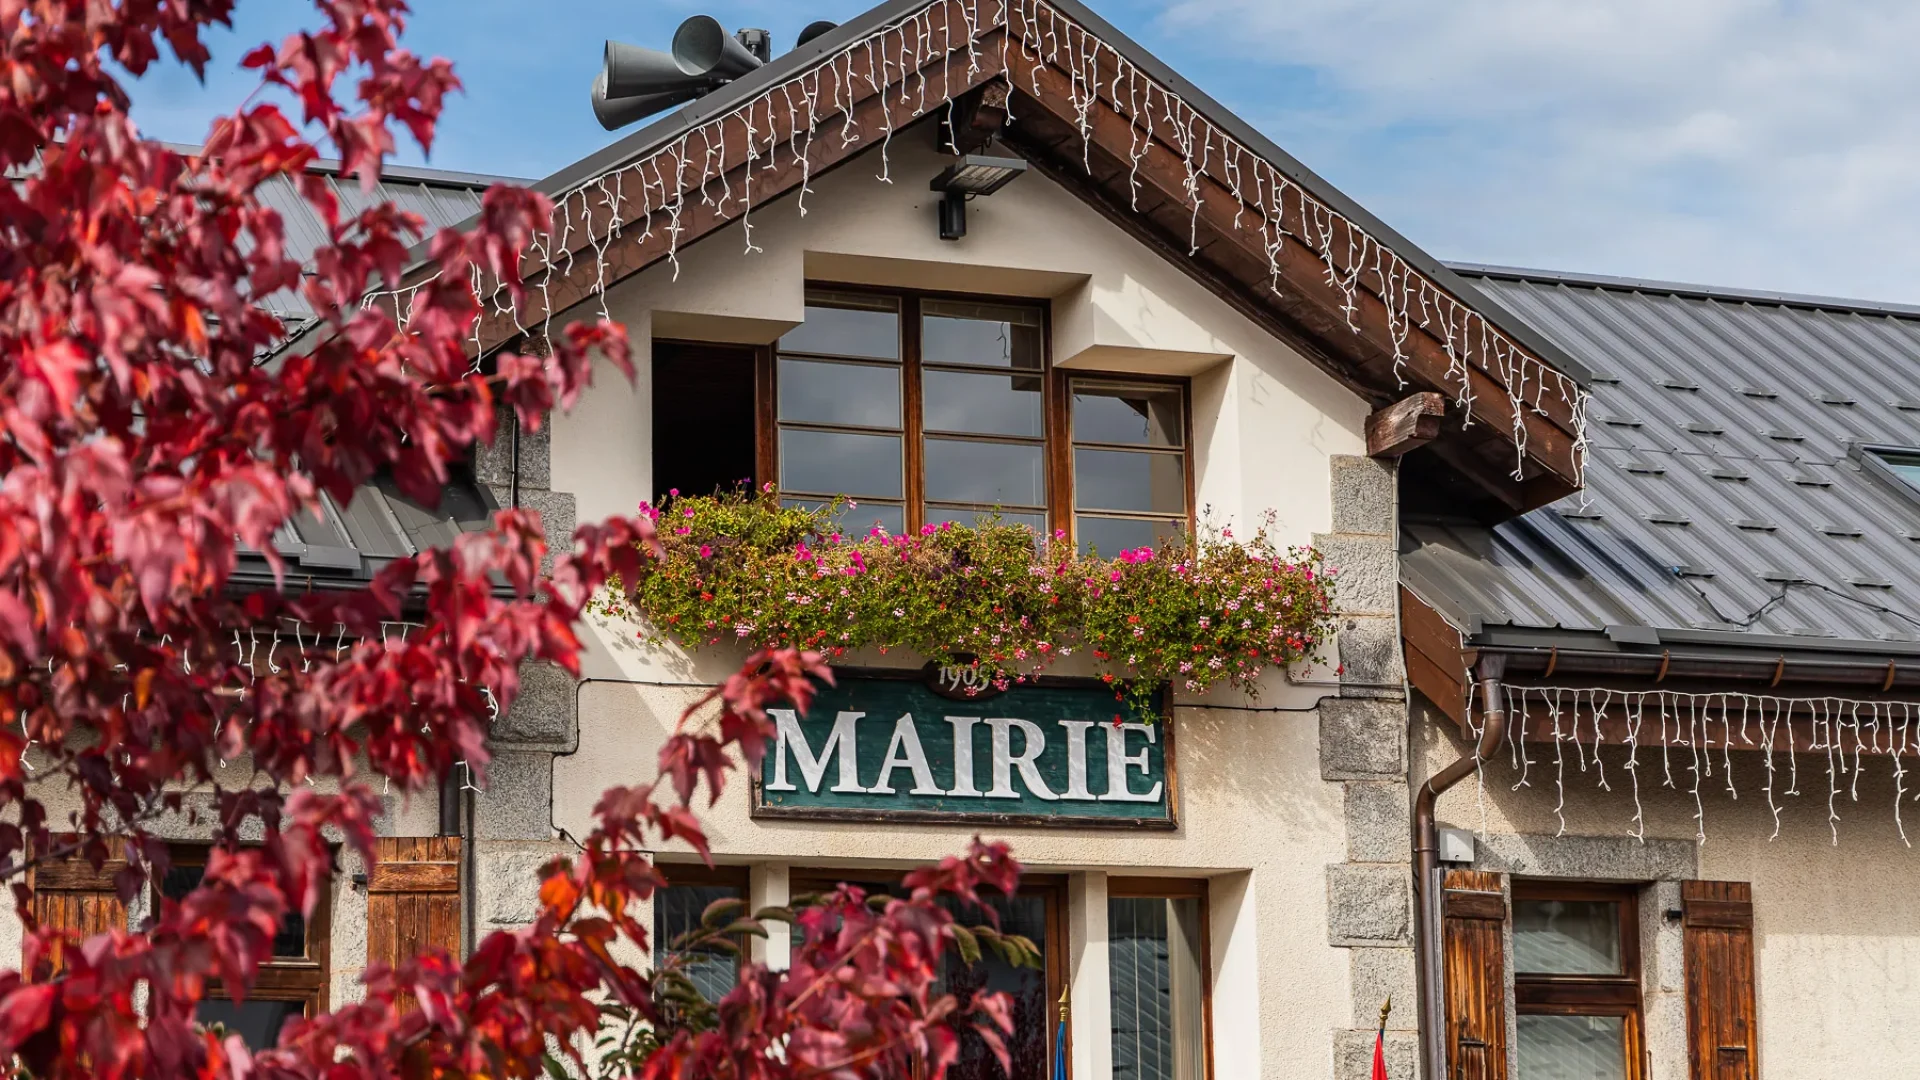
[(706, 551), (1115, 576)]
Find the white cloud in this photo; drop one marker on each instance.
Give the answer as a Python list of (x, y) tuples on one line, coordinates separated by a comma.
[(1772, 143)]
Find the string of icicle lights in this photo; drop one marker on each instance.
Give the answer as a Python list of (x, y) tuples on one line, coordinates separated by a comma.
[(1694, 735), (653, 193), (305, 643)]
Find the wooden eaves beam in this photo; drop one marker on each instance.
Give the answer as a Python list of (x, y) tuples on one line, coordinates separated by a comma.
[(1406, 425)]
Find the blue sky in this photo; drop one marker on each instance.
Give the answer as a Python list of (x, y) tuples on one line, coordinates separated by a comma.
[(1763, 143)]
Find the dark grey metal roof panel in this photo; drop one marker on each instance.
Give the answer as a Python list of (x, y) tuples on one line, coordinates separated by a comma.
[(1719, 471)]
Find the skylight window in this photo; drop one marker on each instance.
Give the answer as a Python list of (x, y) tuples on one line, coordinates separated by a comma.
[(1898, 463)]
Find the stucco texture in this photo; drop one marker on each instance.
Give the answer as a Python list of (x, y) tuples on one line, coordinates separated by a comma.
[(1836, 926)]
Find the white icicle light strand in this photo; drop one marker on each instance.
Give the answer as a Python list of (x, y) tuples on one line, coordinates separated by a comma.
[(651, 193), (1690, 721)]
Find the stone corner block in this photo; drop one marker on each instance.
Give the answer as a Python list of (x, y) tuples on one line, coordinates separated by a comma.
[(507, 892), (493, 464), (1363, 739), (1365, 492), (518, 801), (1377, 975), (1365, 569), (1379, 823), (1370, 654), (1353, 1054), (545, 713), (1368, 905)]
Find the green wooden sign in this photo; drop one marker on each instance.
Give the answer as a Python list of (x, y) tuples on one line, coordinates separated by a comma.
[(902, 747)]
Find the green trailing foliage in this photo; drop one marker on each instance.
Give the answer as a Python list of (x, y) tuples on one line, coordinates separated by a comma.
[(1191, 614)]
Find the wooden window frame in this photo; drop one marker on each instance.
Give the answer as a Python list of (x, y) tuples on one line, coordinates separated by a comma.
[(1175, 888), (280, 978), (1537, 994), (1056, 406)]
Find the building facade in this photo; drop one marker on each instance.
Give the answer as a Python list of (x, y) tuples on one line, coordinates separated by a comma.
[(1164, 324)]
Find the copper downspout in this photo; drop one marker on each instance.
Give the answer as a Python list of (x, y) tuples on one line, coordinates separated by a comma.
[(1426, 860)]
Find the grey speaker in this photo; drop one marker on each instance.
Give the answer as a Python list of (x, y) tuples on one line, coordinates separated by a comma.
[(631, 70), (616, 113), (703, 48)]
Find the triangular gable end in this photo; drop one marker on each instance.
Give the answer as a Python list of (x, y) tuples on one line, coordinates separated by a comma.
[(1125, 134)]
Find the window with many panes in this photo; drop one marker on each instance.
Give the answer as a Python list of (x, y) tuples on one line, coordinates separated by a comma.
[(293, 982), (1576, 981), (928, 409)]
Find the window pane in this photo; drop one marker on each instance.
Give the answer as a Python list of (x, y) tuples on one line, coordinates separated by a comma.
[(291, 941), (676, 911), (839, 463), (1030, 1045), (1573, 1048), (1566, 937), (971, 518), (864, 395), (1904, 466), (994, 335), (991, 474), (1132, 415), (258, 1023), (844, 324), (986, 404), (855, 521), (1143, 481), (1157, 987), (1111, 536)]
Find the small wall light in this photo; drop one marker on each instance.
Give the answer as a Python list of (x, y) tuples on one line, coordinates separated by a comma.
[(974, 174)]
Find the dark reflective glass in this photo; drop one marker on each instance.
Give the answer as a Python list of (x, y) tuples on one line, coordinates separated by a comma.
[(992, 474), (1129, 415), (982, 403), (840, 463), (676, 911), (1110, 536), (989, 335), (291, 941), (971, 517), (1573, 1048), (1141, 481), (857, 520), (258, 1023), (847, 325), (1566, 937), (1029, 1045), (818, 392)]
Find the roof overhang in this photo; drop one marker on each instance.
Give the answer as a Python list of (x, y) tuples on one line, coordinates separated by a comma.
[(1103, 117)]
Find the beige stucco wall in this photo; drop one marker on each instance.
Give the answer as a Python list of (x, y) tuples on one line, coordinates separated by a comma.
[(1836, 926)]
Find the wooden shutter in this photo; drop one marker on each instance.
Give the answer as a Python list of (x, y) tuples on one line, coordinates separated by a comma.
[(1473, 922), (1722, 1033), (69, 894), (413, 898)]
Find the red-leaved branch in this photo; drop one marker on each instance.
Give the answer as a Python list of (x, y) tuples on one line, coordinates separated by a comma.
[(156, 429)]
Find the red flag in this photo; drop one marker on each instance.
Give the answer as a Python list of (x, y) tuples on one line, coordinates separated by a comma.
[(1380, 1055)]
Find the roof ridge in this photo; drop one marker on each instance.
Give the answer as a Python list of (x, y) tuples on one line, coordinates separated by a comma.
[(1692, 290)]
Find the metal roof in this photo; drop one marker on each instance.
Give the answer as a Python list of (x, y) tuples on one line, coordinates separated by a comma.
[(1725, 472), (443, 199)]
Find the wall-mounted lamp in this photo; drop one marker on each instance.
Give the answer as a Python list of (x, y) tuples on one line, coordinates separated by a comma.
[(974, 174)]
